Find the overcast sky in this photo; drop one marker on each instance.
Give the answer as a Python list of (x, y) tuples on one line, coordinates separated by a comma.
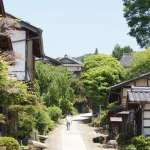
[(75, 27)]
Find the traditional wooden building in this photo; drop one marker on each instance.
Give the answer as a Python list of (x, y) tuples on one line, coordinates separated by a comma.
[(28, 43), (138, 101), (72, 65), (121, 93)]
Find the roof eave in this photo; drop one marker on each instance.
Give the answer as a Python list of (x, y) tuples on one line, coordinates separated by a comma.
[(3, 13), (126, 82), (26, 25)]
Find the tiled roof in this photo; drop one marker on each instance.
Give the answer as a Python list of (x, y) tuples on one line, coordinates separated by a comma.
[(52, 60), (139, 94), (69, 58), (126, 60)]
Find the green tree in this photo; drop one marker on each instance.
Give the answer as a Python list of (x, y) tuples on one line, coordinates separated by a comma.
[(137, 14), (119, 51), (20, 104), (96, 51), (54, 113), (140, 64), (3, 73), (43, 122), (79, 90), (100, 72), (54, 83)]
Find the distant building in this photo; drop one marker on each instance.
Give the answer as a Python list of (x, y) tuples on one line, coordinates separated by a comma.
[(49, 60), (72, 65), (126, 60)]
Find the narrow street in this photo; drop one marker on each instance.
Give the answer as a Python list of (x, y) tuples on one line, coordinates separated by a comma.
[(80, 136)]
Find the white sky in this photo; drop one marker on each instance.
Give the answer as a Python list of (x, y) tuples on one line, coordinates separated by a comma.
[(75, 27)]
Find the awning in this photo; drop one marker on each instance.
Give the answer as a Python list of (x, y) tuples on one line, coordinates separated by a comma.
[(138, 96), (122, 113)]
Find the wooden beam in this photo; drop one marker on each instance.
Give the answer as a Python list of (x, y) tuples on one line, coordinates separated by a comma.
[(26, 39)]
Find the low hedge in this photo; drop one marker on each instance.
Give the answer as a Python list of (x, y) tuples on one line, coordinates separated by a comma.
[(136, 143), (124, 138), (10, 143), (55, 113), (141, 142)]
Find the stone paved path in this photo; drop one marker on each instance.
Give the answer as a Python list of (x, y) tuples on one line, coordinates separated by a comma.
[(80, 136), (72, 140)]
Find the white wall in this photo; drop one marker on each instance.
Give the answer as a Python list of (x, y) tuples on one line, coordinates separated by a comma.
[(74, 68), (19, 48)]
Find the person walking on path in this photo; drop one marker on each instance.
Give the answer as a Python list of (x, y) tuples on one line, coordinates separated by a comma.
[(68, 121)]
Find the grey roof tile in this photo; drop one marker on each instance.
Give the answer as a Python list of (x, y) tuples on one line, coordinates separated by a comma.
[(126, 60), (139, 94)]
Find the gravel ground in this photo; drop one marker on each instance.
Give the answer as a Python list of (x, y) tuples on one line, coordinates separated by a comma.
[(54, 138)]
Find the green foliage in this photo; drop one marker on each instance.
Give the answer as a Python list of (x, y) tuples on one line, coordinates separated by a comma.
[(10, 143), (21, 104), (66, 106), (54, 83), (137, 143), (26, 124), (103, 119), (137, 16), (118, 51), (36, 88), (43, 122), (79, 90), (100, 72), (124, 138), (54, 113), (131, 147), (111, 105), (3, 73), (16, 92), (2, 118), (141, 142), (140, 65)]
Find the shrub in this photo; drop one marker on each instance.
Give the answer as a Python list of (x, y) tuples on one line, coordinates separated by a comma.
[(74, 111), (55, 113), (10, 143), (130, 147), (123, 138), (103, 117), (111, 105), (141, 142), (43, 122)]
